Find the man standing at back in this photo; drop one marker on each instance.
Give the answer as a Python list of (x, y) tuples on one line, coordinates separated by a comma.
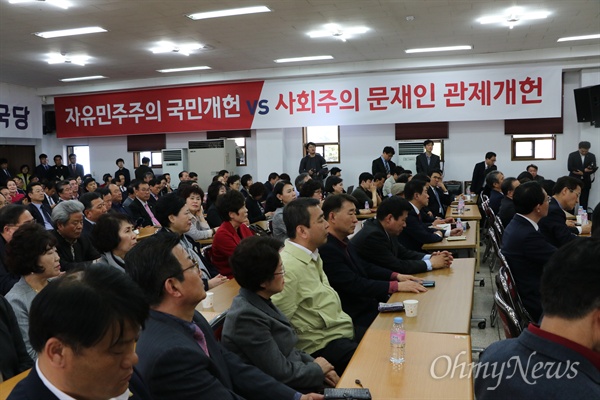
[(75, 170), (143, 169), (427, 162), (42, 171), (122, 171), (581, 165), (313, 163), (384, 163), (307, 300), (481, 170)]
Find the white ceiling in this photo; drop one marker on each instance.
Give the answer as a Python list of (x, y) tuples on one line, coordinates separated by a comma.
[(244, 47)]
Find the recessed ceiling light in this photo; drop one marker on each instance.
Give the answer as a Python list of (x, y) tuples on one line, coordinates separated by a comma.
[(70, 32), (512, 16), (228, 13), (168, 47), (586, 37), (58, 3), (83, 78), (336, 31), (57, 58), (432, 49), (166, 71), (298, 59)]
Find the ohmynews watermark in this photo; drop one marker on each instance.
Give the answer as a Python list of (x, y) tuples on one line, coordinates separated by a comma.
[(527, 370)]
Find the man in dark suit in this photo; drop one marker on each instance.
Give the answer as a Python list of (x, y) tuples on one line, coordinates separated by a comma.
[(117, 201), (42, 171), (40, 211), (507, 206), (582, 165), (139, 208), (58, 172), (377, 241), (481, 170), (123, 171), (155, 189), (525, 248), (75, 170), (94, 207), (84, 328), (493, 181), (439, 198), (384, 163), (143, 169), (360, 284), (554, 226), (5, 174), (179, 355), (427, 162)]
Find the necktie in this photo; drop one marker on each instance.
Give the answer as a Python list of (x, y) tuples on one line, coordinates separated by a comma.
[(387, 167), (73, 167), (437, 197), (200, 339), (46, 167), (154, 220), (428, 160)]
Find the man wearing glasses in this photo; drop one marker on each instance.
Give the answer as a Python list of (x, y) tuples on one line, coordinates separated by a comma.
[(555, 227), (12, 217)]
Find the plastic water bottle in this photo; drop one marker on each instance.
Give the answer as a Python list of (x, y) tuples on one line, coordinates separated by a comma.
[(367, 206), (398, 342), (461, 206), (459, 223), (584, 218)]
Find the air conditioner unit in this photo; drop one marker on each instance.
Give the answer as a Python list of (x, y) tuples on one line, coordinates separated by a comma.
[(174, 161), (208, 157), (407, 154)]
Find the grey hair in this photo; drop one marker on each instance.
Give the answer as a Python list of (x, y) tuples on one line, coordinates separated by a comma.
[(63, 210)]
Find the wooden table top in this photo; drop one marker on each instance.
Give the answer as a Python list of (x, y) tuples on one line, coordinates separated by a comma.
[(445, 308), (472, 200), (366, 216), (147, 232), (471, 213), (223, 298), (416, 379), (469, 243), (204, 242)]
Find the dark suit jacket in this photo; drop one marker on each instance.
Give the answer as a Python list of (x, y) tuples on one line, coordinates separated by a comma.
[(7, 279), (434, 205), (316, 163), (378, 166), (4, 178), (87, 228), (479, 173), (58, 173), (14, 358), (78, 171), (374, 245), (422, 166), (417, 233), (261, 335), (32, 388), (507, 211), (495, 201), (360, 285), (138, 212), (141, 171), (527, 252), (85, 252), (254, 210), (554, 227), (176, 368), (212, 216), (41, 172), (574, 163), (125, 173), (39, 218)]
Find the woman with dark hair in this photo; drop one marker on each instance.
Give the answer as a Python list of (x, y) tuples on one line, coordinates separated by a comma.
[(257, 331), (113, 236), (246, 183), (312, 188), (107, 179), (174, 216), (89, 185), (200, 229), (234, 183), (31, 254), (285, 193), (212, 214), (256, 211), (334, 185), (233, 212), (24, 175)]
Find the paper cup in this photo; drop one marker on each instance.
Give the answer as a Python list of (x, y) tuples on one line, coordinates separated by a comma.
[(410, 307), (208, 302)]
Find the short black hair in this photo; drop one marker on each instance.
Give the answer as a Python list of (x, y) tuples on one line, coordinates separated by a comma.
[(278, 189), (181, 173), (255, 260), (570, 280), (60, 185), (151, 262), (531, 166), (309, 144), (245, 178), (395, 205), (105, 177), (296, 213), (223, 172), (379, 176), (257, 189), (524, 177), (527, 196), (43, 155), (491, 178), (192, 175), (81, 307), (507, 185), (87, 198), (213, 191), (334, 203), (119, 160), (232, 179), (489, 155), (273, 175), (169, 204), (28, 243), (153, 182), (365, 176), (310, 187), (135, 183), (389, 150), (32, 185), (145, 160), (548, 185), (86, 182), (413, 187), (436, 171), (585, 145), (403, 177), (105, 234), (72, 155), (57, 156), (331, 182), (10, 214), (428, 141), (231, 201), (397, 170), (568, 182), (334, 170), (421, 176)]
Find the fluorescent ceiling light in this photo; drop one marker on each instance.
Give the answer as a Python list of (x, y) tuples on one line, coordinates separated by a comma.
[(83, 78), (70, 32), (228, 13), (58, 3), (57, 58), (298, 59), (336, 31), (432, 49), (512, 17), (166, 71), (168, 47), (586, 37)]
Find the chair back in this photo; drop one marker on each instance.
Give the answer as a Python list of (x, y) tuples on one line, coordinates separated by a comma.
[(350, 189), (498, 228), (512, 329), (454, 188), (508, 284), (217, 325), (207, 252)]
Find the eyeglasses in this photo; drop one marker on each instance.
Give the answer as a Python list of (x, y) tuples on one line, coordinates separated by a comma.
[(577, 193), (282, 273), (194, 265)]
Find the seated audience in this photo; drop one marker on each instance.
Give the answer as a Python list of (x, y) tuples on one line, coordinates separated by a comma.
[(234, 214), (284, 193), (193, 198), (507, 206), (307, 300), (31, 254), (256, 211), (313, 188), (378, 181), (533, 170), (234, 182), (525, 177), (174, 215), (524, 247), (270, 184), (377, 241), (75, 250), (398, 189), (155, 186), (493, 181), (12, 216), (387, 185), (365, 193), (334, 185), (257, 331), (93, 208), (141, 211), (560, 358), (555, 227), (360, 284), (129, 194), (178, 353), (14, 359), (106, 179), (116, 201), (246, 182), (15, 195), (40, 211), (439, 198), (84, 326), (113, 236), (404, 177), (214, 190), (89, 185)]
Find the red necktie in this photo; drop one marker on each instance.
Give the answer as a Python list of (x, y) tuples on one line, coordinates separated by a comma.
[(200, 339)]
